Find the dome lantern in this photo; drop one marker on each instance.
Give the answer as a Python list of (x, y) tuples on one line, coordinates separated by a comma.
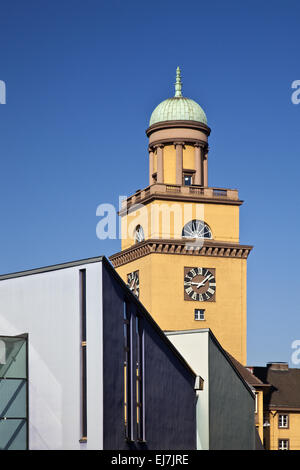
[(178, 141)]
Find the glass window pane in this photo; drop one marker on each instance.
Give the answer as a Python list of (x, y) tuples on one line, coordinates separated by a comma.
[(13, 393), (187, 180), (12, 398), (13, 434), (196, 229), (12, 357)]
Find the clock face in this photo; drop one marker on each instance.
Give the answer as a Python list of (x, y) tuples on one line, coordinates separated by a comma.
[(133, 282), (200, 284)]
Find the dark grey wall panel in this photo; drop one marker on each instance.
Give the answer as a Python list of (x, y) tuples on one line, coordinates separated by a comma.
[(231, 410), (170, 398), (113, 356), (170, 414)]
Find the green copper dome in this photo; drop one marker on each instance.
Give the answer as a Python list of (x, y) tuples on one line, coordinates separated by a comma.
[(178, 108)]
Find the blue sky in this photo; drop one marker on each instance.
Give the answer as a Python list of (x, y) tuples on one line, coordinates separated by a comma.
[(82, 79)]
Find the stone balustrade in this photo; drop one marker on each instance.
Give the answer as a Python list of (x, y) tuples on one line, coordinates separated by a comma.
[(170, 190)]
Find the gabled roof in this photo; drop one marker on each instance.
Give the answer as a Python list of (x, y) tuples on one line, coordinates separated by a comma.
[(233, 362), (285, 387), (248, 376)]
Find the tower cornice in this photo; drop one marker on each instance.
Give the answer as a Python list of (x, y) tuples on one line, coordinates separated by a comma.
[(211, 248), (174, 141), (182, 124)]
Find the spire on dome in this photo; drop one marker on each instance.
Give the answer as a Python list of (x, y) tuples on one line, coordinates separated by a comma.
[(178, 108), (178, 84)]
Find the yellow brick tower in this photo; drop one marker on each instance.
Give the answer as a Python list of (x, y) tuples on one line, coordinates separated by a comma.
[(180, 238)]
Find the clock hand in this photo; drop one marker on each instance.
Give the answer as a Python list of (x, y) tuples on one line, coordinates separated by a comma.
[(197, 283), (204, 281)]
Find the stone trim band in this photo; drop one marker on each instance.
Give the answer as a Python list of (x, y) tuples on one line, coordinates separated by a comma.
[(173, 124), (180, 247)]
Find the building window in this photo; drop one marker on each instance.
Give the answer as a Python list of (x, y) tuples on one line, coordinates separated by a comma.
[(283, 444), (134, 381), (139, 235), (256, 402), (127, 372), (196, 229), (140, 380), (283, 421), (13, 393), (187, 179), (82, 301), (199, 314)]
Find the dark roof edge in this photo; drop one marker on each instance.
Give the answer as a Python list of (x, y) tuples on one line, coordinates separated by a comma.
[(250, 390), (283, 408), (54, 267)]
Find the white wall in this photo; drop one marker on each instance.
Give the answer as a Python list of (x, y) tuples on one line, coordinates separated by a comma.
[(193, 345), (47, 307)]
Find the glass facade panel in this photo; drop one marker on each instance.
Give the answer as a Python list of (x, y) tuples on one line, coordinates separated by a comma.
[(12, 398), (13, 393), (13, 434), (13, 357)]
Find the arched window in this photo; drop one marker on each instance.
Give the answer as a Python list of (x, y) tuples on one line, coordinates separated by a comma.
[(139, 234), (196, 229)]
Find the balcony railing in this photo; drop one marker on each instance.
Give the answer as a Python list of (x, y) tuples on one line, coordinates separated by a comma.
[(183, 191)]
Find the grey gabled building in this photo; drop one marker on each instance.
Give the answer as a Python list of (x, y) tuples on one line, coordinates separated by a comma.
[(84, 366), (225, 408)]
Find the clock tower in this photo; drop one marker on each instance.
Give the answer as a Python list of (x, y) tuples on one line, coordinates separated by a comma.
[(180, 250)]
